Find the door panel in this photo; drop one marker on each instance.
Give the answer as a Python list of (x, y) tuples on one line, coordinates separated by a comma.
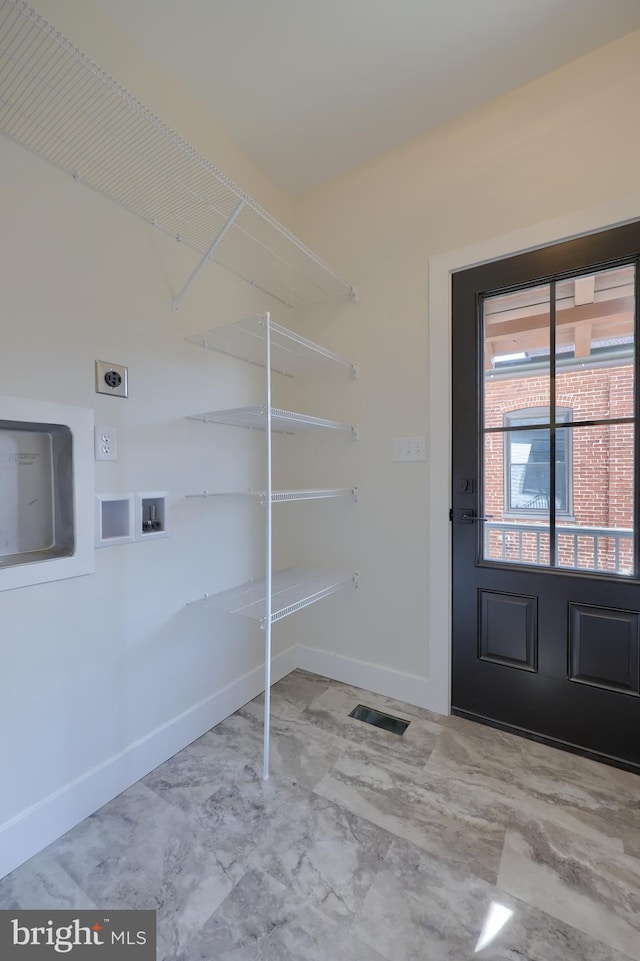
[(603, 648), (546, 596), (508, 630)]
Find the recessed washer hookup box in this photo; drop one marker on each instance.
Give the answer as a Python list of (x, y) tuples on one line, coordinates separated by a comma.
[(36, 492), (46, 492)]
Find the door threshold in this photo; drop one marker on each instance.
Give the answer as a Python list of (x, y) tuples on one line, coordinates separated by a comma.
[(550, 741)]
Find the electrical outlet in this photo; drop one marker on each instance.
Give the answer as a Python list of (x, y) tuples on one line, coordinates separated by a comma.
[(111, 379), (104, 439), (407, 449)]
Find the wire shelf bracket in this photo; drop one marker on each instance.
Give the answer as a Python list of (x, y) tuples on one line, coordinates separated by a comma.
[(59, 103), (207, 256)]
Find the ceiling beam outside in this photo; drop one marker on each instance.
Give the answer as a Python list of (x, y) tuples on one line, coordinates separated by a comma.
[(566, 316), (618, 325), (584, 290), (582, 337)]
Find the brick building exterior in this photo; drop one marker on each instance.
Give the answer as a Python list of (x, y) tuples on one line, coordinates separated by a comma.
[(597, 463)]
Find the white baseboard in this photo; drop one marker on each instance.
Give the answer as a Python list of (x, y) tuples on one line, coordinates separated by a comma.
[(372, 677), (38, 826), (34, 829)]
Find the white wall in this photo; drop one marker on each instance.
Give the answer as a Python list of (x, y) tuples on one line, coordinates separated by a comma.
[(104, 676), (552, 149)]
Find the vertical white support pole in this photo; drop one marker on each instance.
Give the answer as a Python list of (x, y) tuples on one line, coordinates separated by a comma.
[(267, 642)]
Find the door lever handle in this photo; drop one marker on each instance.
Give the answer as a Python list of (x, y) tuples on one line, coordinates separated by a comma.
[(473, 518)]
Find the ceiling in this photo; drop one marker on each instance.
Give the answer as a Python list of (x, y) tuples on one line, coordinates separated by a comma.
[(311, 88)]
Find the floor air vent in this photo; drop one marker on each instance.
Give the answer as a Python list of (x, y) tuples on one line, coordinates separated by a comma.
[(388, 723)]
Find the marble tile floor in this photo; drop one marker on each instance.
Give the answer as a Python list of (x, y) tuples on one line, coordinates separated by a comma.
[(451, 842)]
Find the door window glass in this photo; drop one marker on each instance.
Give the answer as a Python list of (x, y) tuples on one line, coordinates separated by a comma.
[(516, 338), (558, 422), (521, 539)]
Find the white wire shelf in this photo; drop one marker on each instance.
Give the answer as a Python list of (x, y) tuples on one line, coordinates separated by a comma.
[(291, 591), (59, 103), (283, 496), (282, 421), (291, 354)]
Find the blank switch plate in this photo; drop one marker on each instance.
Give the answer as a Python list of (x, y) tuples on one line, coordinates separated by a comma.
[(406, 449)]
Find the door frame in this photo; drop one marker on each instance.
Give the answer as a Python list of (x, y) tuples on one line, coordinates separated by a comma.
[(441, 267)]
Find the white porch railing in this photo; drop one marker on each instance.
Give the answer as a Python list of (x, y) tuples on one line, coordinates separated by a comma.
[(607, 549)]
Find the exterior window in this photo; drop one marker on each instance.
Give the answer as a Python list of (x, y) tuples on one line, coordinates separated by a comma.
[(527, 462)]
